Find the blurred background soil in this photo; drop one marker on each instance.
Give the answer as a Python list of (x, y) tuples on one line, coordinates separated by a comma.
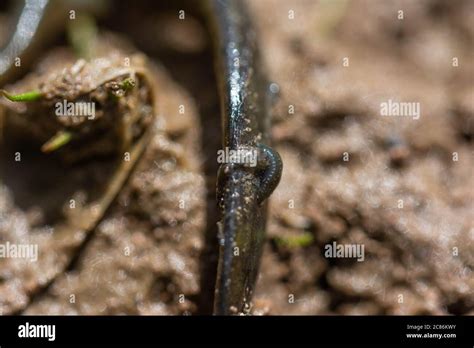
[(400, 186), (409, 251)]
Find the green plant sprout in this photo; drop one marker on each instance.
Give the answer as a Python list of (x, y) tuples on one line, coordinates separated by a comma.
[(60, 139), (299, 241), (34, 95), (82, 36), (127, 84)]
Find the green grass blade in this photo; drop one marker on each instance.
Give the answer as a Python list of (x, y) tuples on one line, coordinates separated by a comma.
[(23, 97), (60, 139)]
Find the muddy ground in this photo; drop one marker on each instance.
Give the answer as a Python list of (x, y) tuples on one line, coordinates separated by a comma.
[(400, 186)]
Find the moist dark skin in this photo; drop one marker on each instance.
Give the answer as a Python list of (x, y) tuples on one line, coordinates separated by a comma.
[(242, 191), (271, 167)]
